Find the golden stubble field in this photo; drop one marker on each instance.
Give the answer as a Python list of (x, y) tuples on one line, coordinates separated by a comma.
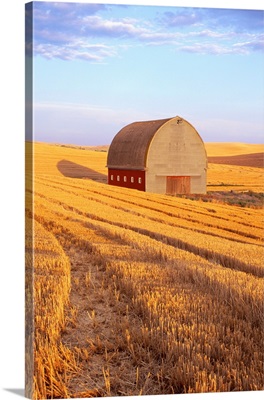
[(132, 293)]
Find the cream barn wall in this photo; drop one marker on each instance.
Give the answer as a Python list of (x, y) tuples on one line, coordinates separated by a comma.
[(177, 150)]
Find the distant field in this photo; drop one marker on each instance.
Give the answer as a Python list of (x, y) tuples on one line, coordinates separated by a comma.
[(235, 166), (159, 294), (249, 160), (213, 149), (232, 149), (242, 154)]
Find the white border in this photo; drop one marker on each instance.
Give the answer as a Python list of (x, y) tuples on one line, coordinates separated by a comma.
[(12, 192)]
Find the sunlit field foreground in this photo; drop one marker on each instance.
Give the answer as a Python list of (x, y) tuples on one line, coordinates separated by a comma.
[(137, 293)]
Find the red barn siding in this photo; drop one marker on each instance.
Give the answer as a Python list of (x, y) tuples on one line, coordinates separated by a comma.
[(132, 179)]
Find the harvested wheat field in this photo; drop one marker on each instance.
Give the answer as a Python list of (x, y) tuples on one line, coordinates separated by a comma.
[(136, 293), (229, 175)]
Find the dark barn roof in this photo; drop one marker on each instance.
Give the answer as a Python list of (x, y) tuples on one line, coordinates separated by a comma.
[(129, 147)]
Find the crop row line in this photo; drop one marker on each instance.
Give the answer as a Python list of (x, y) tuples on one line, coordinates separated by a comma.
[(240, 302), (237, 232), (210, 255), (118, 196)]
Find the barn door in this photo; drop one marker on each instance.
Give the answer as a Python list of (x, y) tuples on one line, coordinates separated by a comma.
[(178, 185)]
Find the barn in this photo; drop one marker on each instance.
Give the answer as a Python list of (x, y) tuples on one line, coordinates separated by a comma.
[(164, 156)]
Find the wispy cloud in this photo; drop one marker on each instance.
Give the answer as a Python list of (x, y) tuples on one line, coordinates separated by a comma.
[(86, 31), (77, 49), (181, 18), (233, 20), (121, 28), (214, 49), (253, 45), (236, 20)]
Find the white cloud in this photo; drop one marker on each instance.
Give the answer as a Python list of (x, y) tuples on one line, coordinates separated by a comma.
[(70, 32), (209, 48), (79, 49), (125, 27)]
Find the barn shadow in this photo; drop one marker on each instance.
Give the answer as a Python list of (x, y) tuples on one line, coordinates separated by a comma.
[(73, 170)]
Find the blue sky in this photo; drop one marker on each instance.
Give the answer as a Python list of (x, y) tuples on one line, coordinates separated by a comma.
[(98, 67)]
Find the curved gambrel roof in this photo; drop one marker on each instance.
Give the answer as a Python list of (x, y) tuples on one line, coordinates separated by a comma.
[(129, 147)]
